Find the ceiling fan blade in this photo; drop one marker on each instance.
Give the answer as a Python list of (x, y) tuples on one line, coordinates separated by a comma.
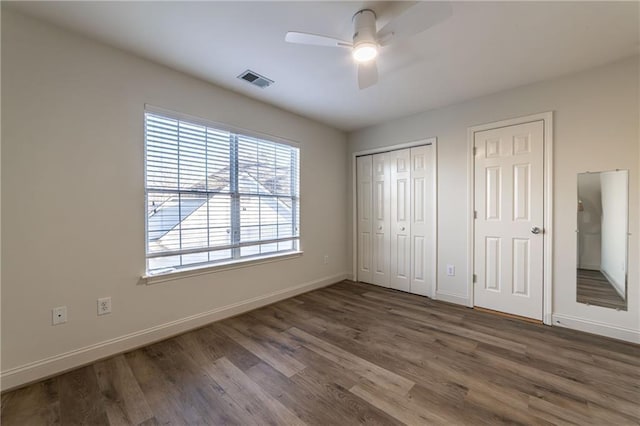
[(367, 74), (315, 39), (414, 20)]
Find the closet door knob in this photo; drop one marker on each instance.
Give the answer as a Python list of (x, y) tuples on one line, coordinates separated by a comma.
[(402, 228), (380, 228)]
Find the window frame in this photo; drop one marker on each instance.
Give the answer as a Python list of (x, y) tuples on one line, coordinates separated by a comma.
[(236, 260)]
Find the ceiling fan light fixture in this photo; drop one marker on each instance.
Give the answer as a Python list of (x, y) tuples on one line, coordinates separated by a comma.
[(365, 52)]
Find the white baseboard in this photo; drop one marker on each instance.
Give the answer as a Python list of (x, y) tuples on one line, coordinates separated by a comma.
[(452, 298), (595, 327), (594, 267), (24, 374)]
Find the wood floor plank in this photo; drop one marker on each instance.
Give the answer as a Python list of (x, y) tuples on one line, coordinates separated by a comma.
[(124, 400), (178, 392), (340, 401), (38, 404), (448, 400), (263, 334), (243, 390), (81, 401), (398, 406), (513, 408), (561, 383), (350, 353), (236, 405), (281, 361), (374, 373), (162, 398), (454, 329), (301, 399), (557, 414), (216, 345)]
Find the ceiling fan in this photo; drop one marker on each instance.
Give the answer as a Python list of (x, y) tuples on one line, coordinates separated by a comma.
[(368, 40)]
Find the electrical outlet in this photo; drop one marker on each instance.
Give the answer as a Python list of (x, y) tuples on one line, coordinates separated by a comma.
[(326, 259), (59, 315), (451, 270), (104, 305)]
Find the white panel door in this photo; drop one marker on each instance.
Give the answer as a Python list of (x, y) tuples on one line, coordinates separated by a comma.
[(381, 220), (399, 163), (365, 209), (422, 215), (508, 249)]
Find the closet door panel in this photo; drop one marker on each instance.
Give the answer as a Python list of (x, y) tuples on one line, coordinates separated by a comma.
[(422, 216), (380, 219), (365, 210), (400, 224)]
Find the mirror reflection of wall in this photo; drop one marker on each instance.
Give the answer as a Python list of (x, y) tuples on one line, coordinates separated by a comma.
[(602, 220)]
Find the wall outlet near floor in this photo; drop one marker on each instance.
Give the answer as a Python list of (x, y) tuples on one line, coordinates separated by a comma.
[(326, 259), (59, 315), (104, 305), (451, 270)]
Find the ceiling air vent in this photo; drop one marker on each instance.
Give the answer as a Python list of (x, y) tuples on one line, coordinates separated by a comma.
[(256, 79)]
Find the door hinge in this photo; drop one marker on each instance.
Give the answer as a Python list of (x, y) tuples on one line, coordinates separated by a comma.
[(475, 278), (475, 214), (475, 150)]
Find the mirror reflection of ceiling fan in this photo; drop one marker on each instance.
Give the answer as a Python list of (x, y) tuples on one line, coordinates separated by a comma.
[(368, 40)]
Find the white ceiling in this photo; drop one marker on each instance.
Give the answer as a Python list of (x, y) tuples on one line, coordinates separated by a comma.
[(482, 48)]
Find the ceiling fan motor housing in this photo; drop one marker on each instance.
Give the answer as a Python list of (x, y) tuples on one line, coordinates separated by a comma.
[(364, 27)]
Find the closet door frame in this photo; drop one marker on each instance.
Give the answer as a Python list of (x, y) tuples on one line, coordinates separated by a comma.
[(434, 226)]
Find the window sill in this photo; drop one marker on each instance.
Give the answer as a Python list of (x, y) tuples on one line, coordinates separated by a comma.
[(149, 279)]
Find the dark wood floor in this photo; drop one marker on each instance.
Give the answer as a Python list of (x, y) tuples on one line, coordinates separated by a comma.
[(348, 354), (595, 289)]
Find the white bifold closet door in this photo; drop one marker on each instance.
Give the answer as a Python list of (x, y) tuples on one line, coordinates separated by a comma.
[(381, 221), (400, 180), (423, 224), (395, 219), (365, 220)]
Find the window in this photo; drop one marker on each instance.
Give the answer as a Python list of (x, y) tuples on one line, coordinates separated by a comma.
[(215, 196)]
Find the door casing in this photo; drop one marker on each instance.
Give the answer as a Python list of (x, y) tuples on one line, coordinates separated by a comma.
[(547, 284)]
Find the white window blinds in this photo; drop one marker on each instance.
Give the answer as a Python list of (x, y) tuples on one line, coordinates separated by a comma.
[(215, 196)]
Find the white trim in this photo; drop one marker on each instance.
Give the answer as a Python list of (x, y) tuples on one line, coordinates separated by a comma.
[(218, 267), (412, 144), (354, 219), (594, 327), (38, 370), (354, 216), (434, 224), (547, 119), (547, 308), (590, 267), (452, 298)]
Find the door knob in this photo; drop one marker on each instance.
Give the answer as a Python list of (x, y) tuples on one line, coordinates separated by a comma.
[(402, 228), (535, 230), (380, 228)]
